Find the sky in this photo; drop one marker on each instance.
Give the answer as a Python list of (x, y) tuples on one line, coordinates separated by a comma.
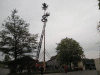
[(77, 19)]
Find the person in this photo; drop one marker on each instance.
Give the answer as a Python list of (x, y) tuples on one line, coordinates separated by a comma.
[(90, 67), (65, 69), (33, 67), (42, 69), (21, 68), (28, 67)]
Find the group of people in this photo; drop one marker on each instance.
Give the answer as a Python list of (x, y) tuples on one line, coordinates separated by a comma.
[(20, 69), (29, 69)]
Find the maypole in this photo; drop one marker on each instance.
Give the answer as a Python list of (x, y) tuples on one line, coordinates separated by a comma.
[(44, 19)]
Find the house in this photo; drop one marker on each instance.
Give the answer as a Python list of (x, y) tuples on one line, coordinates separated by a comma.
[(52, 62)]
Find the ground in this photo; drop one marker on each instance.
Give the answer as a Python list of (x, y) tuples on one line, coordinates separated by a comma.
[(4, 71), (85, 72)]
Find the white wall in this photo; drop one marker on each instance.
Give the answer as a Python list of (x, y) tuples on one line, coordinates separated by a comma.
[(80, 64), (97, 64)]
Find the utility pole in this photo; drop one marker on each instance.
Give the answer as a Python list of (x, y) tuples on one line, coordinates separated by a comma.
[(44, 19)]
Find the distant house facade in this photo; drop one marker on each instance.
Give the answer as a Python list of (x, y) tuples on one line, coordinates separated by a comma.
[(97, 64), (52, 62)]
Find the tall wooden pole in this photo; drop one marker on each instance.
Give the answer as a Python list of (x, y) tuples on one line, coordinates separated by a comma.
[(44, 20), (44, 47)]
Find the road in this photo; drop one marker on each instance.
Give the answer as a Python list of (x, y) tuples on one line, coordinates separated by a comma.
[(4, 71), (85, 72)]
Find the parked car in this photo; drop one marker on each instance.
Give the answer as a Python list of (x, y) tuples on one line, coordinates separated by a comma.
[(90, 66)]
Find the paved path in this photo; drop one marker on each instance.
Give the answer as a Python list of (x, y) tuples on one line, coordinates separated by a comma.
[(86, 72), (4, 71)]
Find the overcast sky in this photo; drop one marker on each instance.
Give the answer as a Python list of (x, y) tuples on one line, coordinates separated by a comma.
[(75, 19)]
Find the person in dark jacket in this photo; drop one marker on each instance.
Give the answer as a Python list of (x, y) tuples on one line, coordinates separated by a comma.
[(42, 69), (28, 67)]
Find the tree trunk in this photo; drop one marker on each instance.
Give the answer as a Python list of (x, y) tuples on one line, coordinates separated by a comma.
[(15, 65), (70, 65)]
